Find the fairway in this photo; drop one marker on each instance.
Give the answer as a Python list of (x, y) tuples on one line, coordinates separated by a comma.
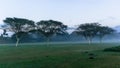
[(66, 55)]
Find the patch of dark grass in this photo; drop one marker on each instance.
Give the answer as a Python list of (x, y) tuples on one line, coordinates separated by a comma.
[(113, 49)]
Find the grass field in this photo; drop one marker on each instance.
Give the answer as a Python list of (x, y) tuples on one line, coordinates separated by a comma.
[(58, 56)]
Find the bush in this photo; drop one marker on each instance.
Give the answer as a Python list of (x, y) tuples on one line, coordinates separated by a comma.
[(114, 49)]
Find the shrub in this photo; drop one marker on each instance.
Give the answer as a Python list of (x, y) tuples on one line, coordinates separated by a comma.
[(113, 49)]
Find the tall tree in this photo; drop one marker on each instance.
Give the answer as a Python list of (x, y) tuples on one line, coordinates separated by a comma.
[(50, 28), (103, 31), (19, 26), (88, 30)]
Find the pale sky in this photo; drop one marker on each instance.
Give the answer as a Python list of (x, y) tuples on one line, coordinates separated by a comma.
[(70, 12)]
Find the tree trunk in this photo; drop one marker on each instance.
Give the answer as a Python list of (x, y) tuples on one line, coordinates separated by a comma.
[(89, 40), (48, 41), (100, 39), (17, 42)]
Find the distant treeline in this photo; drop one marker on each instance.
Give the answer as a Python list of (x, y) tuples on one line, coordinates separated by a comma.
[(26, 30)]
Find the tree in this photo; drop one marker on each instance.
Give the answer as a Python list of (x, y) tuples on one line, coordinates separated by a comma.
[(4, 34), (88, 30), (19, 26), (50, 28), (103, 31)]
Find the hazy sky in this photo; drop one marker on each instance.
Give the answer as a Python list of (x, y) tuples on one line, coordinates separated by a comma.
[(70, 12)]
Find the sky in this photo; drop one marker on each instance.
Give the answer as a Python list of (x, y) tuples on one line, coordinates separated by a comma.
[(70, 12)]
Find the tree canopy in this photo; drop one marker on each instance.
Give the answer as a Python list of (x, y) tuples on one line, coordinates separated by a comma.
[(19, 26), (88, 30), (50, 27), (103, 31)]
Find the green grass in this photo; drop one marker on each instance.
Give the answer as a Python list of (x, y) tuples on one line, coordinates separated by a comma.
[(113, 49), (58, 56)]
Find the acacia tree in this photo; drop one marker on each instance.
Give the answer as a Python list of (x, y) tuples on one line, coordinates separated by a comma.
[(88, 31), (103, 31), (19, 27), (50, 28)]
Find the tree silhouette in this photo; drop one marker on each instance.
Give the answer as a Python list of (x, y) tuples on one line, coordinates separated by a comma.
[(50, 28), (19, 26), (5, 34), (88, 30), (103, 31)]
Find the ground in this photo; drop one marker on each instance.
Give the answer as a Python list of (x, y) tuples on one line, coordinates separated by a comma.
[(58, 56)]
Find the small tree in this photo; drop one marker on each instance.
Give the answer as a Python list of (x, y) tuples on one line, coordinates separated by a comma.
[(4, 34), (103, 31), (19, 27), (50, 28), (88, 31)]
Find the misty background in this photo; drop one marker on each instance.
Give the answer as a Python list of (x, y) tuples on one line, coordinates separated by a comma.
[(69, 12)]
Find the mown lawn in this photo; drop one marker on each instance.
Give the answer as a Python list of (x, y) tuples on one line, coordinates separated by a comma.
[(58, 56)]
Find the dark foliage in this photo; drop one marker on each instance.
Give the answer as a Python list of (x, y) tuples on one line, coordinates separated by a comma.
[(51, 28), (113, 49)]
